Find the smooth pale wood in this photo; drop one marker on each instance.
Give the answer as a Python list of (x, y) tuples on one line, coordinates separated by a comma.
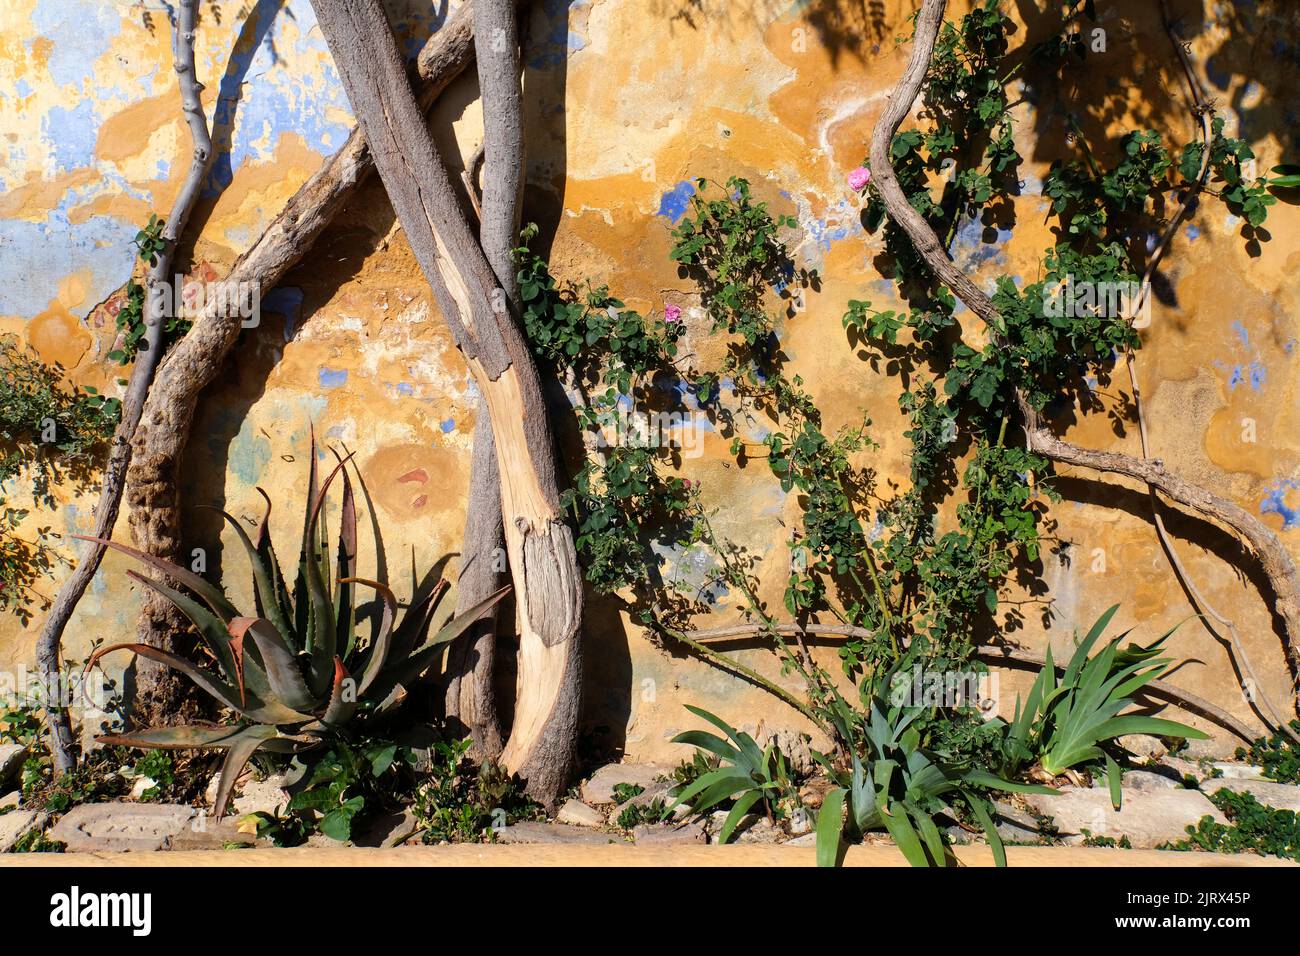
[(543, 561), (470, 691), (1273, 557)]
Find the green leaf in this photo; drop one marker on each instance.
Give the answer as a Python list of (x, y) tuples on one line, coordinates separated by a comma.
[(829, 825)]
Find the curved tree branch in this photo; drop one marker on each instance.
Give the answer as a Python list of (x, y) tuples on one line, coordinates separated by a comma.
[(159, 294), (1272, 555)]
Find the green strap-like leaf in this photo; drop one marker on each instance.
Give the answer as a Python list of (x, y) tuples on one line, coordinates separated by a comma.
[(981, 811), (829, 826), (738, 811)]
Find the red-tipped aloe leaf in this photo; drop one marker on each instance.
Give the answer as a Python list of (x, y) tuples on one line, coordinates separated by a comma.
[(343, 698), (263, 582), (282, 670)]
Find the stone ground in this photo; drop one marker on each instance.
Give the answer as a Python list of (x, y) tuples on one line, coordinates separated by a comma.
[(1158, 803)]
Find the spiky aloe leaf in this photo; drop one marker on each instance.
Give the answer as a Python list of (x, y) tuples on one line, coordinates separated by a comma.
[(414, 626), (282, 670), (264, 712), (324, 637), (343, 698), (174, 738), (241, 749), (210, 627), (459, 624), (302, 607), (266, 550), (205, 589), (378, 651), (263, 582), (346, 568)]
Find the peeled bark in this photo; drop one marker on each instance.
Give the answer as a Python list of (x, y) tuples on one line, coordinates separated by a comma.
[(470, 694), (471, 661), (543, 562), (160, 439), (1270, 552), (142, 374)]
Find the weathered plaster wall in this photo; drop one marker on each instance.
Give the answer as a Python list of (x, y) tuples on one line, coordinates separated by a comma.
[(628, 101)]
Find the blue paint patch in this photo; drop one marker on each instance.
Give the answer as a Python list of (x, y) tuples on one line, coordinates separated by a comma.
[(1275, 503), (39, 254), (332, 378), (84, 30), (23, 87), (405, 389), (1255, 374), (1193, 232), (250, 118), (1241, 332), (448, 426), (71, 135), (250, 453), (675, 202)]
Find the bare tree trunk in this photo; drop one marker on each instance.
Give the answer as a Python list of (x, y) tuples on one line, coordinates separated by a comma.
[(544, 567), (470, 691), (1272, 555), (157, 287), (198, 358)]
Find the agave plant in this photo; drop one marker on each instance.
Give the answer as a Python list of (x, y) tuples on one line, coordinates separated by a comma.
[(745, 773), (295, 671), (1066, 718), (893, 783)]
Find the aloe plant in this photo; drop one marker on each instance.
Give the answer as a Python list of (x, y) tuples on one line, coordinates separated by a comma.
[(749, 775), (894, 784), (295, 671), (1066, 718)]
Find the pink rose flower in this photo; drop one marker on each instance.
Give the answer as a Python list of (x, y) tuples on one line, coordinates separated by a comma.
[(859, 178), (672, 314)]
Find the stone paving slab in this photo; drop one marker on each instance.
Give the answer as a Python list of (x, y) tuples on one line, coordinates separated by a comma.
[(131, 827), (1148, 818)]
